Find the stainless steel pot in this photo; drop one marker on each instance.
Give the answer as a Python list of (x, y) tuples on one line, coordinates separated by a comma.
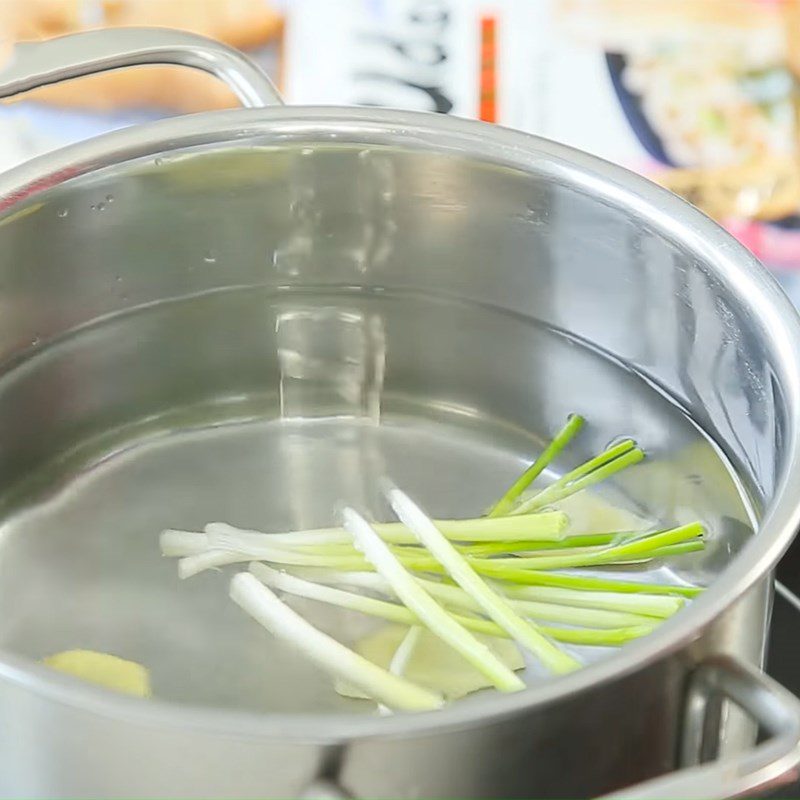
[(172, 284)]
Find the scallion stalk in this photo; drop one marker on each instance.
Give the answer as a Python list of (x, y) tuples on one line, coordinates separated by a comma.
[(641, 548), (597, 469), (651, 605), (284, 623), (492, 604), (558, 443), (547, 526), (193, 565), (592, 583), (455, 596), (182, 543), (392, 612), (417, 560), (481, 549), (429, 612), (188, 566)]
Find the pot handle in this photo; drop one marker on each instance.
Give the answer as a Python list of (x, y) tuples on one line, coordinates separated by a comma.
[(34, 64), (769, 765)]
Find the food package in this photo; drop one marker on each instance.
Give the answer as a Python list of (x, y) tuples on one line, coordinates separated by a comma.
[(698, 95)]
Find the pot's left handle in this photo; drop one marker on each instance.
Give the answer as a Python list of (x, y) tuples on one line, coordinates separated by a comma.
[(34, 64)]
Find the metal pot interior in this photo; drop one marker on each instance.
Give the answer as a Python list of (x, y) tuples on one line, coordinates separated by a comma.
[(256, 332)]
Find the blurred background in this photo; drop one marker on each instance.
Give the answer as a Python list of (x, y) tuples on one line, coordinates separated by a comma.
[(699, 95)]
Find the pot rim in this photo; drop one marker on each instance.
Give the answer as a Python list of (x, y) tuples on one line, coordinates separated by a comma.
[(668, 213)]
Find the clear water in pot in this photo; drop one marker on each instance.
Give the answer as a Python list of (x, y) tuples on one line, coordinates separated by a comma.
[(266, 410)]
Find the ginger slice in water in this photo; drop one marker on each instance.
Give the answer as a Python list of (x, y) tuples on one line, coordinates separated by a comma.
[(433, 664), (589, 512), (103, 669)]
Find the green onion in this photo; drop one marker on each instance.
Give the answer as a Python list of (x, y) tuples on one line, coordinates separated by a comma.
[(648, 599), (534, 609), (326, 594), (284, 623), (591, 583), (341, 556), (415, 559), (210, 559), (450, 595), (597, 637), (638, 548), (429, 612), (192, 565), (392, 612), (580, 556), (477, 550), (539, 528), (493, 605), (598, 469), (693, 546), (481, 549), (182, 543), (549, 526), (651, 605), (450, 575), (559, 442)]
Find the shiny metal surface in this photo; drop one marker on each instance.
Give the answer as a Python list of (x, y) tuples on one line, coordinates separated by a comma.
[(246, 315), (771, 764), (35, 64)]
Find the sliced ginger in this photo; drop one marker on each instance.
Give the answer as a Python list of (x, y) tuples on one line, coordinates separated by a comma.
[(103, 669), (433, 664)]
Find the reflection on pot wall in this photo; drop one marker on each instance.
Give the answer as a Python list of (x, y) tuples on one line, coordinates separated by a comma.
[(330, 217), (331, 362), (340, 214)]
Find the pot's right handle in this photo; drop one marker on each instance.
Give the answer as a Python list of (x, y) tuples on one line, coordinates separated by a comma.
[(767, 766), (34, 64)]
